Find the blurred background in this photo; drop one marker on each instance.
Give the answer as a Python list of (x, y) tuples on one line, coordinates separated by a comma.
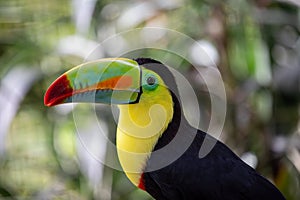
[(255, 45)]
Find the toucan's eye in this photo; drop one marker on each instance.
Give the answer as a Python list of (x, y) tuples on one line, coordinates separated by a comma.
[(151, 80)]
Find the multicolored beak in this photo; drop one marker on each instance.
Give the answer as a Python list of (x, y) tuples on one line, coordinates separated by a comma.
[(110, 81)]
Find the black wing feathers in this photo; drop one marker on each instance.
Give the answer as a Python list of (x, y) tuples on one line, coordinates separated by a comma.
[(219, 175)]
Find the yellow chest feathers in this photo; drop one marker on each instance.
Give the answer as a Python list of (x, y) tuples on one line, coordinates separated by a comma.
[(139, 128)]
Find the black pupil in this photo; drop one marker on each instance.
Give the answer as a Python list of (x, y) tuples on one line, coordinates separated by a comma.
[(150, 80)]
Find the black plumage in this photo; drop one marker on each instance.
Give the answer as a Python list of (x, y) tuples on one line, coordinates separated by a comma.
[(219, 175)]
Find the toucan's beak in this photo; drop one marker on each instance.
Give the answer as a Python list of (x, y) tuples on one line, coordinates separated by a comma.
[(110, 81)]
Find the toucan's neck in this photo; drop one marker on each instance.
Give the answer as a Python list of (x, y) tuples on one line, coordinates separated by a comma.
[(173, 126)]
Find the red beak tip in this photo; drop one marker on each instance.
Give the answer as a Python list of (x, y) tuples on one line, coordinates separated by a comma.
[(58, 91), (47, 104), (48, 101)]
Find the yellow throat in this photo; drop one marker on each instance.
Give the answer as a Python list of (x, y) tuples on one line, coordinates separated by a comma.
[(139, 128)]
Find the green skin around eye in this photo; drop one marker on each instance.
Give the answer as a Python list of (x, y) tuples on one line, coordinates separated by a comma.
[(148, 86)]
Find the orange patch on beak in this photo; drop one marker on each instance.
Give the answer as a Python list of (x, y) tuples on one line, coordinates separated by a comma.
[(119, 82)]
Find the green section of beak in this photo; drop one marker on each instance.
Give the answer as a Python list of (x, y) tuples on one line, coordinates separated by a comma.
[(110, 81)]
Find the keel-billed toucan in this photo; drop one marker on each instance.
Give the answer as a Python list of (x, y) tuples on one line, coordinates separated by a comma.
[(157, 148)]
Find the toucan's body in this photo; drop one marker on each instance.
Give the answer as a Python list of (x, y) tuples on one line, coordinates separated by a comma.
[(219, 175), (157, 148)]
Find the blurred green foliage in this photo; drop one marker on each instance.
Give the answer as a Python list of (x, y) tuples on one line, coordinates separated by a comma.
[(258, 50)]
